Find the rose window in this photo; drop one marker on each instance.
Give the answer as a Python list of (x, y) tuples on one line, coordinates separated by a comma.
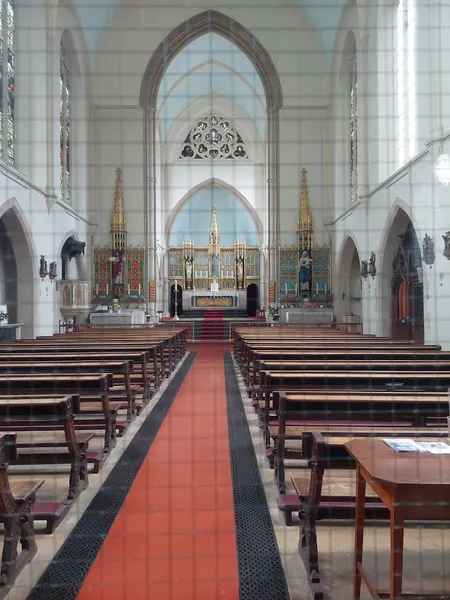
[(212, 138)]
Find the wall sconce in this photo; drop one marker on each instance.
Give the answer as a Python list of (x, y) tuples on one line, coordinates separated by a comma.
[(43, 269)]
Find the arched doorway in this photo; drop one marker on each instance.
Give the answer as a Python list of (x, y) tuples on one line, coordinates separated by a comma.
[(252, 299), (8, 275), (349, 281), (16, 270), (179, 300), (404, 301)]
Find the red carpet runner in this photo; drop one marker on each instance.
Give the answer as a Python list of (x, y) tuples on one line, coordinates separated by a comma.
[(213, 325), (174, 537)]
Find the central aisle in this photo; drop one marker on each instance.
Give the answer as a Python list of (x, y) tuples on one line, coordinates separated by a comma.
[(174, 537)]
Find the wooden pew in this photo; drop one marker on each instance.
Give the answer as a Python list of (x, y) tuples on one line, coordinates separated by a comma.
[(17, 498), (297, 358), (139, 376), (351, 414), (93, 388), (327, 491), (40, 425), (326, 366), (121, 371)]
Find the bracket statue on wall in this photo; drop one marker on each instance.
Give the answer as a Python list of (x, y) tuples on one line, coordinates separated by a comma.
[(364, 269), (372, 267), (446, 239), (429, 255)]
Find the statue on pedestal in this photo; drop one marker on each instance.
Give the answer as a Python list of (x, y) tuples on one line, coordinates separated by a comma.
[(188, 269), (305, 272), (240, 273)]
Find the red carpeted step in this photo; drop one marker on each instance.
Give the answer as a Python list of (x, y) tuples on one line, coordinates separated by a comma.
[(213, 327)]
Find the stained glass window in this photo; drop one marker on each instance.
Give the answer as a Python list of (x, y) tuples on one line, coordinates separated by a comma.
[(211, 138), (406, 81), (7, 81), (353, 126), (64, 127)]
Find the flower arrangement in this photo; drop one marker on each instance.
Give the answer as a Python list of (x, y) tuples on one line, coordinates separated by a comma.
[(3, 316)]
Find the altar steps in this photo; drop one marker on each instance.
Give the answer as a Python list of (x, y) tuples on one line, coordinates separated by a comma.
[(199, 313), (213, 326)]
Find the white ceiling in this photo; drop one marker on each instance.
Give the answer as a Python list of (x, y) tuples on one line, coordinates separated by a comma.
[(324, 15)]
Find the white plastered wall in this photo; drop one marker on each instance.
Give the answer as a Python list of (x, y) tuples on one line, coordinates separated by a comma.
[(40, 224)]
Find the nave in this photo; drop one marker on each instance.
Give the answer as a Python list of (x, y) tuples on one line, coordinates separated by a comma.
[(200, 498)]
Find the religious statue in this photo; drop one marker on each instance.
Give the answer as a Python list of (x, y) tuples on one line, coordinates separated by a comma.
[(305, 271), (240, 272), (364, 269), (372, 268), (188, 267), (429, 255), (214, 286), (446, 239), (117, 269)]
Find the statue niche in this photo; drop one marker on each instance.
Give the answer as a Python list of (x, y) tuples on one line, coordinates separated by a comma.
[(305, 272)]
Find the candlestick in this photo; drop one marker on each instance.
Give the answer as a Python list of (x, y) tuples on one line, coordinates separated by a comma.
[(296, 289), (139, 289), (96, 289), (286, 288), (129, 290), (107, 289), (325, 289), (317, 289)]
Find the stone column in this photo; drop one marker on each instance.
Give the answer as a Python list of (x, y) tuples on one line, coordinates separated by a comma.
[(273, 221), (150, 202)]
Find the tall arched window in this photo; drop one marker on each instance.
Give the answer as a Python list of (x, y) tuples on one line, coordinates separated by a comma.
[(353, 126), (406, 81), (7, 141), (64, 127)]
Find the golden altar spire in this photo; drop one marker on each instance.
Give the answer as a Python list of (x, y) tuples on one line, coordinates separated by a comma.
[(304, 222), (118, 221), (214, 235)]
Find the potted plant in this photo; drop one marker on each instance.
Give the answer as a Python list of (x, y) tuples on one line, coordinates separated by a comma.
[(274, 313)]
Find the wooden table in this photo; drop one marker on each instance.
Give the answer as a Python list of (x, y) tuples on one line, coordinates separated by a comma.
[(412, 485)]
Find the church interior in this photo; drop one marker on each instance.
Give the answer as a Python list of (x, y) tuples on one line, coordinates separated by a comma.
[(225, 364)]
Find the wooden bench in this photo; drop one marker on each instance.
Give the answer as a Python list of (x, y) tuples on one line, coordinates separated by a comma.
[(17, 499), (138, 376), (327, 491), (335, 360), (44, 434), (347, 414), (99, 413)]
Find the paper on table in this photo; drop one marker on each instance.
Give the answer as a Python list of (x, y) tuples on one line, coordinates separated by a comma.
[(435, 447), (403, 445)]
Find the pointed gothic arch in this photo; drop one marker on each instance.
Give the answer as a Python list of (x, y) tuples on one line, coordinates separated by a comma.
[(209, 184), (210, 21)]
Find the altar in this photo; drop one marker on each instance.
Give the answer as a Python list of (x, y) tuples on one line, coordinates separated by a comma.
[(214, 299)]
